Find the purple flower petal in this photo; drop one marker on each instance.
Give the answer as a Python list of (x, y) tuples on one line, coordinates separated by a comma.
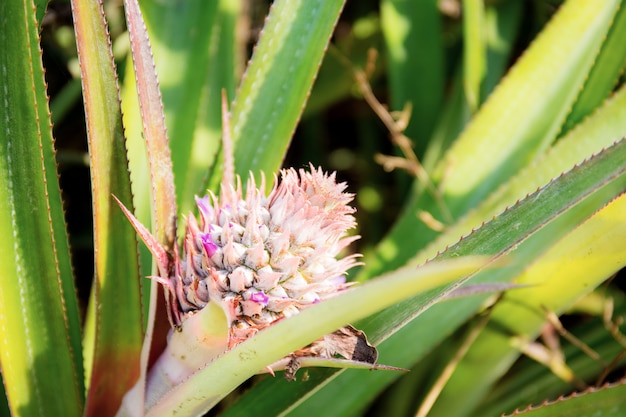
[(259, 297), (204, 204), (207, 243)]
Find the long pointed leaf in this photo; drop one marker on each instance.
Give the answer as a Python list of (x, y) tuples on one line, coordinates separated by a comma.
[(155, 134), (598, 131), (603, 77), (200, 391), (272, 95), (534, 385), (531, 227), (412, 32), (518, 121), (194, 49), (163, 206), (606, 401), (40, 329), (554, 284), (115, 309)]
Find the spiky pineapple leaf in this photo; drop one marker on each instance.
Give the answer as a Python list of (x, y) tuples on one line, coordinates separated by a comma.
[(113, 334), (41, 350), (608, 122), (533, 385), (41, 6), (517, 123), (598, 131), (195, 52), (520, 234), (163, 207), (606, 401), (155, 133), (277, 82), (202, 390), (553, 285), (604, 75)]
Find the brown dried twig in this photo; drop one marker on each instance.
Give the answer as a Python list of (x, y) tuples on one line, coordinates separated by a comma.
[(396, 123)]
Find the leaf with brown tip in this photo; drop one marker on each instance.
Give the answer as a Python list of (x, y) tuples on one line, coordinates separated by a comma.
[(155, 134), (112, 342)]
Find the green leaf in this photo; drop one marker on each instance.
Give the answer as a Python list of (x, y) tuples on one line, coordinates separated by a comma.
[(604, 75), (162, 185), (139, 175), (194, 64), (114, 336), (532, 226), (606, 124), (532, 384), (413, 39), (607, 401), (553, 284), (517, 123), (598, 131), (277, 82), (545, 82), (474, 52), (201, 391), (155, 134), (41, 6), (41, 354)]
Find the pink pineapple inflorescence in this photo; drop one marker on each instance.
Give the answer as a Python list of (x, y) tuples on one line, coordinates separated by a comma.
[(264, 258)]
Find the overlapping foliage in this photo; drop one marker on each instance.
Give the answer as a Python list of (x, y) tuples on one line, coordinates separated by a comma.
[(515, 153)]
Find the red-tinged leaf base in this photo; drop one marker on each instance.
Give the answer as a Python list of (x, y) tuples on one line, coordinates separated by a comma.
[(107, 389)]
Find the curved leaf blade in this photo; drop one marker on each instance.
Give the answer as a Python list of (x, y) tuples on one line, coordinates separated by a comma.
[(598, 131), (155, 133), (605, 73), (605, 401), (553, 284), (194, 65), (200, 392), (115, 310), (534, 385), (39, 321), (493, 148), (163, 208), (517, 122), (277, 83), (519, 234)]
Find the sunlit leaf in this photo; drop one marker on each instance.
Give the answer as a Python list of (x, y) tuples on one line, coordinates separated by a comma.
[(41, 355), (114, 336)]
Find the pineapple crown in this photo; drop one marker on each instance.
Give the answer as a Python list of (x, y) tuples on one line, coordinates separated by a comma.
[(260, 258), (263, 258)]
